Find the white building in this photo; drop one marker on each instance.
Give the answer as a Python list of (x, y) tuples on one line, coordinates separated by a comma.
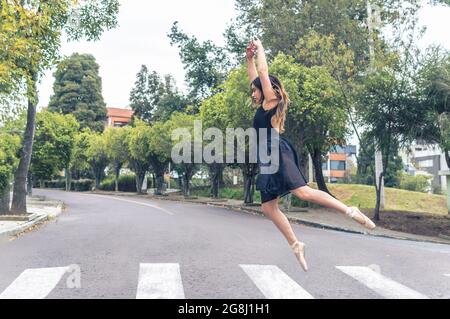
[(423, 159)]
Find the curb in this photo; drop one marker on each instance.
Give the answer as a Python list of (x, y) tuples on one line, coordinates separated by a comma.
[(23, 227), (38, 220)]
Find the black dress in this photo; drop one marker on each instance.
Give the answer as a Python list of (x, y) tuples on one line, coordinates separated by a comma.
[(288, 177)]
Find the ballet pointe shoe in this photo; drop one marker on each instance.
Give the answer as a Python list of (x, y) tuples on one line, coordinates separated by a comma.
[(355, 214), (299, 251)]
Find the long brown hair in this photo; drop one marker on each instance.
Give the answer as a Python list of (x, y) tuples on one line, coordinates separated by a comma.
[(283, 99)]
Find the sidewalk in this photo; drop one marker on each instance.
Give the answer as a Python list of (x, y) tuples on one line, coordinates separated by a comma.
[(320, 218), (39, 209)]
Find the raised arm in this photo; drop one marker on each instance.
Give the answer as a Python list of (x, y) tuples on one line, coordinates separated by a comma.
[(251, 68), (270, 98)]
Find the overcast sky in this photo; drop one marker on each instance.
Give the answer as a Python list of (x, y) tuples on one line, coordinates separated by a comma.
[(141, 38)]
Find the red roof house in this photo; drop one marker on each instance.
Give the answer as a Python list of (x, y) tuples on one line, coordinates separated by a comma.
[(117, 117)]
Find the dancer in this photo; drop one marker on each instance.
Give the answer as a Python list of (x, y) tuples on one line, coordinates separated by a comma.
[(273, 101)]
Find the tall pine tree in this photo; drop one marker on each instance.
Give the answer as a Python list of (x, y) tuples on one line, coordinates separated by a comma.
[(78, 91), (146, 94)]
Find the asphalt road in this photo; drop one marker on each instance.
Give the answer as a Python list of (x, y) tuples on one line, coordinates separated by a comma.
[(129, 247)]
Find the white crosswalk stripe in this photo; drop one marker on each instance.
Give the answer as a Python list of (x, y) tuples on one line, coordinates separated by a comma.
[(160, 281), (382, 285), (274, 283), (34, 283), (164, 281)]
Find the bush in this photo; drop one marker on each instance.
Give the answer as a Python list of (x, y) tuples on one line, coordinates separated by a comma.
[(127, 183), (81, 185), (419, 183), (58, 184)]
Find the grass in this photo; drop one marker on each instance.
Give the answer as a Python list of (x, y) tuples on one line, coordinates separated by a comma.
[(363, 196)]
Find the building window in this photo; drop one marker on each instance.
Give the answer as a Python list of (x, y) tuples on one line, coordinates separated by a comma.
[(337, 165), (338, 149), (426, 164), (324, 166)]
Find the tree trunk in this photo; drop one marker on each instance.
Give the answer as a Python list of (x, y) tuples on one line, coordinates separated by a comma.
[(30, 184), (317, 163), (180, 182), (287, 202), (376, 214), (97, 180), (186, 188), (249, 172), (68, 180), (139, 181), (385, 156), (5, 200), (221, 181), (447, 157), (187, 176), (116, 179), (159, 179), (215, 171), (19, 203)]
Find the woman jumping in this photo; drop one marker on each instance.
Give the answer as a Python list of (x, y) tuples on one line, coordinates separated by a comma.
[(273, 101)]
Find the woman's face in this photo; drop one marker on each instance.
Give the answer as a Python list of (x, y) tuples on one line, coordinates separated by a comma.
[(256, 95)]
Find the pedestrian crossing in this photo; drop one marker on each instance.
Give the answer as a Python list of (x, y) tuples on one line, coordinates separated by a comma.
[(274, 283), (34, 283), (160, 281), (382, 285), (164, 281)]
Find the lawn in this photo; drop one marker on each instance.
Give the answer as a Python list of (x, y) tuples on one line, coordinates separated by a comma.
[(364, 196)]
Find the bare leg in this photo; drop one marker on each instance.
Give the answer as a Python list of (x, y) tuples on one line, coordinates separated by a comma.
[(315, 196), (271, 210), (324, 199)]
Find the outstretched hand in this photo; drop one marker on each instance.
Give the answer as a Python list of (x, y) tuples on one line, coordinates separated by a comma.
[(257, 43), (250, 51)]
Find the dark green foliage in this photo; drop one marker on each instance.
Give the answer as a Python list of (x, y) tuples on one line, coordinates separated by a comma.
[(205, 63), (127, 183), (78, 91)]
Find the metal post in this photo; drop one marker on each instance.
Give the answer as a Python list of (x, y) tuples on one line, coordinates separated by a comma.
[(378, 155)]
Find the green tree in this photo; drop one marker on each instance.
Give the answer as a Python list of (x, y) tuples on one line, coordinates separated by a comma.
[(117, 153), (138, 146), (205, 63), (78, 91), (183, 147), (434, 82), (388, 108), (9, 146), (316, 118), (32, 30), (146, 94), (53, 144), (280, 24), (79, 166), (366, 158), (171, 100), (159, 152), (214, 114), (240, 113), (97, 156)]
